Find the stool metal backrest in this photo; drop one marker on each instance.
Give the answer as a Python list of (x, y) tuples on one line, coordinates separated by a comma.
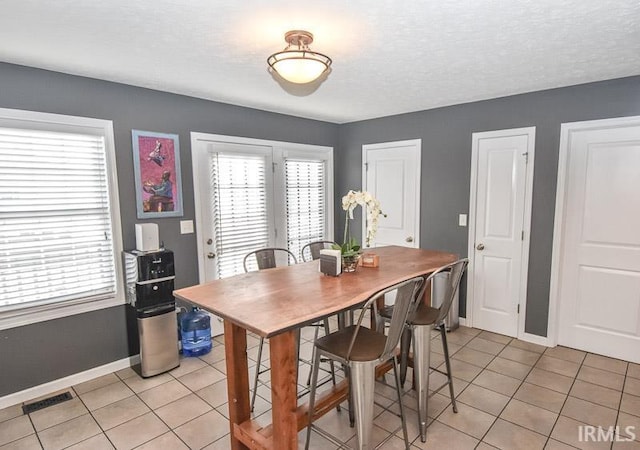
[(409, 293), (455, 269), (266, 258), (314, 249)]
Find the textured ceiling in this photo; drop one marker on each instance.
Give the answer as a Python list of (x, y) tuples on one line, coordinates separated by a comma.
[(389, 57)]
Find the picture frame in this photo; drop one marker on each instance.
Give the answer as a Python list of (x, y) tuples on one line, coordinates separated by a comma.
[(158, 181)]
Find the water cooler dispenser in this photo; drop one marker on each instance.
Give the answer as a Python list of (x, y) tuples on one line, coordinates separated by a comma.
[(150, 279)]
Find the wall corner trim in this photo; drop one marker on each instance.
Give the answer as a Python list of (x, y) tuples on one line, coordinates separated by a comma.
[(66, 382)]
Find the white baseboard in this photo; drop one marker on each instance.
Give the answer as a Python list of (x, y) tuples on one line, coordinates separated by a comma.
[(63, 383), (463, 321)]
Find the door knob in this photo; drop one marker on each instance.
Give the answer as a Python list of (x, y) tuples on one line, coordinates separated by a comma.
[(211, 255), (480, 247), (409, 239)]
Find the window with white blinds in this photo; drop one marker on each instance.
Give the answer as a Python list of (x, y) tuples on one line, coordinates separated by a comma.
[(57, 245), (239, 208), (305, 185)]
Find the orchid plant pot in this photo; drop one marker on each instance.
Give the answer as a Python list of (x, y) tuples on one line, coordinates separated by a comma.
[(350, 263)]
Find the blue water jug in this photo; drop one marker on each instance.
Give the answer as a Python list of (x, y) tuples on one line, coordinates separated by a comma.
[(196, 333)]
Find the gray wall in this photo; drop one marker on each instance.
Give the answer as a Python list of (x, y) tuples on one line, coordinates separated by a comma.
[(42, 352), (446, 164)]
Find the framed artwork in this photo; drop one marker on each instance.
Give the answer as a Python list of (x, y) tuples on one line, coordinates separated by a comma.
[(156, 162)]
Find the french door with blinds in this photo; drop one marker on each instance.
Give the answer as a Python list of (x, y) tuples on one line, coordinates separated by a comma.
[(252, 194)]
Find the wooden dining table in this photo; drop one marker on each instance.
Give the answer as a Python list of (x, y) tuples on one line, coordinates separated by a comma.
[(274, 304)]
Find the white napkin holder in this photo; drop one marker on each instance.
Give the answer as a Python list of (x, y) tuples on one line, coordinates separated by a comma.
[(330, 262)]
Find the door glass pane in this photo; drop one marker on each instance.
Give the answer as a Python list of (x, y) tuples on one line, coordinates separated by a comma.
[(239, 208), (305, 184)]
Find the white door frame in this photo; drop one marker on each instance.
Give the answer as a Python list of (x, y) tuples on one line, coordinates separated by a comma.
[(417, 143), (566, 129), (220, 138), (531, 132)]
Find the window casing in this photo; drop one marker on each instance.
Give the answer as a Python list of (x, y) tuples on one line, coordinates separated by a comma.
[(60, 241)]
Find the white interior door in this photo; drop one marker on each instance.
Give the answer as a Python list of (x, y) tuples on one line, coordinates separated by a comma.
[(502, 168), (392, 175), (598, 240)]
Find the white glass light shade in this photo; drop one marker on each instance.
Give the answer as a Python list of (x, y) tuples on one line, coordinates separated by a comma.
[(299, 66)]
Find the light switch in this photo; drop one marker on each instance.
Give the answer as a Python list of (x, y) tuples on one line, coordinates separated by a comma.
[(462, 220), (186, 226)]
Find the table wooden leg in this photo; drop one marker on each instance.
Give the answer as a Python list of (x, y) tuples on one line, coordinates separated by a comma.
[(235, 349), (284, 391)]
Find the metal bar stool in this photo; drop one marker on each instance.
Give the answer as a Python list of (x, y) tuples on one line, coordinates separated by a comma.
[(418, 329), (313, 250), (266, 258), (361, 350)]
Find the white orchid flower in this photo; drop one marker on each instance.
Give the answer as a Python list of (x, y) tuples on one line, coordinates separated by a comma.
[(368, 202)]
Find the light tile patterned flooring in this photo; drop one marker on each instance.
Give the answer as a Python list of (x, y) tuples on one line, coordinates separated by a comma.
[(511, 395)]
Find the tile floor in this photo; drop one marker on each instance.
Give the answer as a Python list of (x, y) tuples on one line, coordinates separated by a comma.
[(511, 395)]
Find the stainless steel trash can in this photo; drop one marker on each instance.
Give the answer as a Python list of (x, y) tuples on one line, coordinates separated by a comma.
[(158, 335), (438, 291)]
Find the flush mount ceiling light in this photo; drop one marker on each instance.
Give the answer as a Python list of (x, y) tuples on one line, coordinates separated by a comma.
[(297, 63)]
